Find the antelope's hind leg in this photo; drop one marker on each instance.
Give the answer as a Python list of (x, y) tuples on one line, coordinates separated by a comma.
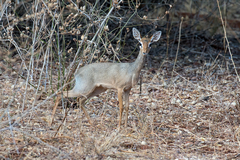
[(54, 109), (82, 104), (94, 92)]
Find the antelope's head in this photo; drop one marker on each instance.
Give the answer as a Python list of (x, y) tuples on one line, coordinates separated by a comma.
[(145, 43)]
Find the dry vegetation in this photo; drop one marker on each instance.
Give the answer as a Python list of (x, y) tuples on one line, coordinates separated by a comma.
[(188, 106)]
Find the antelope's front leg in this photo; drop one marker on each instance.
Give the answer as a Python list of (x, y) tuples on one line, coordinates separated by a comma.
[(120, 91), (126, 97)]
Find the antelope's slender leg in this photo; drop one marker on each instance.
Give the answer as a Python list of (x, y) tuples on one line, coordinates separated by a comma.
[(82, 104), (54, 109), (120, 106), (126, 96)]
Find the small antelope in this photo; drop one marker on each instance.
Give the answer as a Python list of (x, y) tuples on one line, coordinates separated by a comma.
[(96, 78)]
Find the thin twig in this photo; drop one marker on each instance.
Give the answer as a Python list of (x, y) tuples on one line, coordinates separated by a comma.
[(225, 36), (179, 40)]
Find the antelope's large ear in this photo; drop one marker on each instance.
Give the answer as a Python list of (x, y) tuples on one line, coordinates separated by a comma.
[(136, 34), (156, 36)]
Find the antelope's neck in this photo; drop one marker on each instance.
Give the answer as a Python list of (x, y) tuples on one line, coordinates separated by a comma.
[(138, 64)]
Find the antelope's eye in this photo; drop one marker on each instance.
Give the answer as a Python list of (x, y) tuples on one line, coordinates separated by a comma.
[(140, 45), (149, 45)]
